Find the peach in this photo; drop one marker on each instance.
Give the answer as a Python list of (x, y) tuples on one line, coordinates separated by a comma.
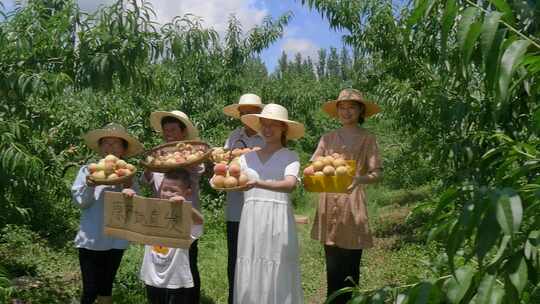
[(309, 171), (243, 179), (92, 167), (192, 157), (121, 163), (319, 173), (111, 158), (218, 181), (99, 175), (234, 170), (130, 167), (329, 170), (328, 160), (112, 176), (230, 182), (179, 159), (120, 172), (336, 155), (342, 170), (220, 169), (339, 162), (318, 165), (109, 167)]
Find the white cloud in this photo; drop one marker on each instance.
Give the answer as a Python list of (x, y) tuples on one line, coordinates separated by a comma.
[(215, 13), (306, 47)]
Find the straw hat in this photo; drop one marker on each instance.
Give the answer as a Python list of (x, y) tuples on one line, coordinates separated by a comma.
[(113, 130), (275, 112), (245, 100), (156, 117), (330, 107)]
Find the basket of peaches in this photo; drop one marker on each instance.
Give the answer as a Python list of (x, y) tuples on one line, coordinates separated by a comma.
[(111, 171), (174, 155), (331, 173), (229, 177)]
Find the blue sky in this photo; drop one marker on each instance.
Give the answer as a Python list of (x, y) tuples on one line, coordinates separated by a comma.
[(306, 33)]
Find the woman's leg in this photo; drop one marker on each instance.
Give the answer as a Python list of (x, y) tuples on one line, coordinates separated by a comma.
[(341, 264), (232, 248), (195, 291), (110, 262), (89, 263)]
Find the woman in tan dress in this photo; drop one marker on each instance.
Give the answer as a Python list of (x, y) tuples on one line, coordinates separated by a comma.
[(341, 221)]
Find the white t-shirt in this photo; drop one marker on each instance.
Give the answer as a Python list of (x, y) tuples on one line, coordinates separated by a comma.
[(165, 267)]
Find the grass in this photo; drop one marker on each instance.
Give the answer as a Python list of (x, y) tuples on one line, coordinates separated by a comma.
[(48, 275)]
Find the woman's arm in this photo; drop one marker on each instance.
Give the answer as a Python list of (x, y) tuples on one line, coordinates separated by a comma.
[(286, 185), (320, 149), (81, 191)]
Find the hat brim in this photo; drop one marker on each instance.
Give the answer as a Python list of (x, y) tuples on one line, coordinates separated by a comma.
[(330, 107), (233, 110), (295, 130), (92, 140), (155, 121)]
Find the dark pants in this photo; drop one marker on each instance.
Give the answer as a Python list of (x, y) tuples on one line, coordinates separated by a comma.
[(98, 269), (195, 291), (232, 247), (167, 296), (341, 264)]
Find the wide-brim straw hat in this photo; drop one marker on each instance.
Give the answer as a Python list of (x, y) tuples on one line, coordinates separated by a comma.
[(92, 138), (371, 108), (245, 100), (156, 117), (277, 112)]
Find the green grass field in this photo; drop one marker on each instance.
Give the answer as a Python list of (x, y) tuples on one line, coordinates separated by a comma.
[(50, 275)]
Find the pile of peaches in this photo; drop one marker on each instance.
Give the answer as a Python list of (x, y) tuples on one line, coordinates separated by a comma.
[(109, 169), (180, 154), (224, 156), (331, 165), (228, 176)]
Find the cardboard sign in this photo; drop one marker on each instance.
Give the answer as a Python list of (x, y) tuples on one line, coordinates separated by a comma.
[(148, 221)]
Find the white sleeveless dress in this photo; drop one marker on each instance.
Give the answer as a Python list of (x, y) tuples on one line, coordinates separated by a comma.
[(267, 265)]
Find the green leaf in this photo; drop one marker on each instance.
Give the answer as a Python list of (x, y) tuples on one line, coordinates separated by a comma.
[(467, 19), (493, 61), (418, 12), (503, 7), (509, 211), (511, 58), (489, 29), (489, 292), (518, 273), (424, 293), (487, 234), (470, 41), (449, 15), (457, 286), (502, 247)]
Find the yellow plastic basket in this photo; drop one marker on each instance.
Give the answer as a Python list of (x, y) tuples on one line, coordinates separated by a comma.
[(331, 184)]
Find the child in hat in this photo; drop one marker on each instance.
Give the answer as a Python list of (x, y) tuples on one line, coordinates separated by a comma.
[(100, 255), (176, 126)]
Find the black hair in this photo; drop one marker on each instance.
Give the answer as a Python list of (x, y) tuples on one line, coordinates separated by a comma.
[(125, 144), (169, 119), (181, 175), (284, 135)]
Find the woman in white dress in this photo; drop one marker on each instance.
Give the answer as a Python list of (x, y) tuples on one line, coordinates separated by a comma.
[(267, 266)]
